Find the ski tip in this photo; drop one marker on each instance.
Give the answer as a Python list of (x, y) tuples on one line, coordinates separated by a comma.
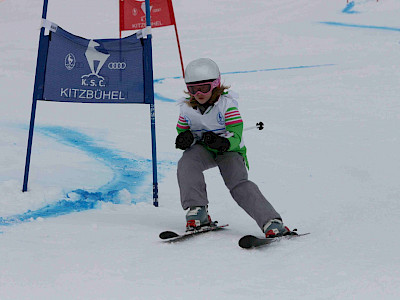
[(247, 241), (168, 235)]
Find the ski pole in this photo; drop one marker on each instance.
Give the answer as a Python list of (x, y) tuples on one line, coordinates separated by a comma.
[(259, 126)]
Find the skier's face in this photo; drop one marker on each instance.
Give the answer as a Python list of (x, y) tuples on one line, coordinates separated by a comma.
[(203, 98)]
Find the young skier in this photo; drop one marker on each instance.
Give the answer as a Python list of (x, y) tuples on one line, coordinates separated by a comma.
[(210, 133)]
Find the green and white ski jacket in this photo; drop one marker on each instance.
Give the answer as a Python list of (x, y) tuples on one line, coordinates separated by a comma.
[(223, 118)]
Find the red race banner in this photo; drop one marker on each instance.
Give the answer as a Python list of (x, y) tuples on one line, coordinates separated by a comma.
[(132, 14)]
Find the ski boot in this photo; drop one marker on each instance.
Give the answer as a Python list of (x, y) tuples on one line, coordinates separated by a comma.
[(275, 228), (197, 217)]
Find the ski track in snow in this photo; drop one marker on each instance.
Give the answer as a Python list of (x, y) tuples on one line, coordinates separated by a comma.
[(128, 176)]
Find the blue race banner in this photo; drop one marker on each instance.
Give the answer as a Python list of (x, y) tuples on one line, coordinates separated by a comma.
[(94, 71), (70, 68)]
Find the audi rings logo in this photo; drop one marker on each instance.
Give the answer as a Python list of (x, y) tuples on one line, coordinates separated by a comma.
[(117, 65)]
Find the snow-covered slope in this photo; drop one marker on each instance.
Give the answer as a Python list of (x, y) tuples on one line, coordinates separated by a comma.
[(323, 77)]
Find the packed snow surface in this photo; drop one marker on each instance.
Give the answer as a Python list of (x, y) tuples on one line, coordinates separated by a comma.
[(324, 78)]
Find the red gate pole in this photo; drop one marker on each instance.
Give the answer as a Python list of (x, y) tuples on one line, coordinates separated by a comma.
[(171, 13), (121, 17)]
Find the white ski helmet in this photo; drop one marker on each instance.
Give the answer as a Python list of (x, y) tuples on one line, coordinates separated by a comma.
[(201, 69)]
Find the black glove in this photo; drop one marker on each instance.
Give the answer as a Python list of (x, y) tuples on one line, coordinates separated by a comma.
[(216, 142), (184, 140)]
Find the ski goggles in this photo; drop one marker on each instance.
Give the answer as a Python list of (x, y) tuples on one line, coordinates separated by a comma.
[(203, 87)]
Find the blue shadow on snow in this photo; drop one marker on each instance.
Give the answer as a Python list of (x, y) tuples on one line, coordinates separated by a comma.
[(361, 26), (349, 8), (160, 97), (128, 174)]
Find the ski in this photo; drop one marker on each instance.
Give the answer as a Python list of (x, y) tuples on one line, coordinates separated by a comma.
[(170, 236), (250, 241)]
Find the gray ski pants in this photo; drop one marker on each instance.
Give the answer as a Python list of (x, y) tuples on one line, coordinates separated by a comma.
[(231, 165)]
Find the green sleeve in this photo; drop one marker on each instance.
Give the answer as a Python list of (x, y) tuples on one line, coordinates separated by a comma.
[(236, 139), (234, 124)]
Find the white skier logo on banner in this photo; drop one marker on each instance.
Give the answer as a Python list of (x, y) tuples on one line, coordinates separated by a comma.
[(92, 55)]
